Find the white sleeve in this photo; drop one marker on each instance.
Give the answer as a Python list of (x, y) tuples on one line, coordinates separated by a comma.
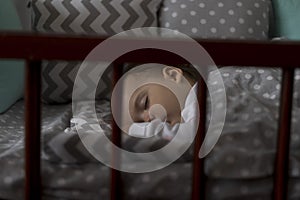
[(149, 129), (146, 129)]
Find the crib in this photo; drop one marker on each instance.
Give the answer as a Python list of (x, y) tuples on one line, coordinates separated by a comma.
[(37, 47)]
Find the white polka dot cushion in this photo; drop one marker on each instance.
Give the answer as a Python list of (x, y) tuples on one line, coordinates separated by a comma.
[(235, 19)]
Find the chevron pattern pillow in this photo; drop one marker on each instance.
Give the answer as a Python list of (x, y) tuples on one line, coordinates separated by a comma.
[(86, 17)]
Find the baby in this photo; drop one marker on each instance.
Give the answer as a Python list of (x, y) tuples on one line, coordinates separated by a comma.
[(155, 99)]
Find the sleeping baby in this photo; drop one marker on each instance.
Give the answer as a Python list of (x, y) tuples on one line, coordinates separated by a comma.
[(156, 99)]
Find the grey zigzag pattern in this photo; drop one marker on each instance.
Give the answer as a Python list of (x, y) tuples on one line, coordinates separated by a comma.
[(73, 13), (54, 14), (130, 21), (88, 76), (114, 15), (94, 13), (86, 17), (58, 82), (68, 148), (74, 16)]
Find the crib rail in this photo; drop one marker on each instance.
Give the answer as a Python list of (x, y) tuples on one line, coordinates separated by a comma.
[(224, 52), (33, 48)]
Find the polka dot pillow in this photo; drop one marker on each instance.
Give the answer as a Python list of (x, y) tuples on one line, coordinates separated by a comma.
[(235, 19)]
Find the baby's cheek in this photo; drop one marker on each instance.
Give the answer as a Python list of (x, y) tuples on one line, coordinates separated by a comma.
[(174, 112)]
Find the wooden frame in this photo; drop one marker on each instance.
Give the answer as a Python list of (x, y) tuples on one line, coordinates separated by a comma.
[(34, 48)]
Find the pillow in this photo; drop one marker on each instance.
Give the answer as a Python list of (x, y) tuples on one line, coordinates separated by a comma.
[(85, 17), (242, 19), (24, 12), (287, 18), (11, 72)]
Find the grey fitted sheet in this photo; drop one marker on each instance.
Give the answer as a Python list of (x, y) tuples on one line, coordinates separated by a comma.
[(247, 146)]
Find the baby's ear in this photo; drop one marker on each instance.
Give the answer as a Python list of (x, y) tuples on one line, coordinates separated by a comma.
[(172, 73)]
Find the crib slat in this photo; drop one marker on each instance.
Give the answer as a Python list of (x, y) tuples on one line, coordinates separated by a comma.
[(199, 179), (282, 157), (115, 180), (32, 130)]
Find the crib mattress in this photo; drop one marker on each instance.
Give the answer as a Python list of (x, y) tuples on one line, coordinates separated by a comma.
[(245, 151)]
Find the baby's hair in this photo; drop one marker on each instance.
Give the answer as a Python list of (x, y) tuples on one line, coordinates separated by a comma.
[(189, 71)]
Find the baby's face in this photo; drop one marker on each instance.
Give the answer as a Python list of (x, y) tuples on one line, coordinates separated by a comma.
[(148, 92), (143, 104)]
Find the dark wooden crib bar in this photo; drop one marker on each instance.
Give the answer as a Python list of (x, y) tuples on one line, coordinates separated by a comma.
[(34, 48)]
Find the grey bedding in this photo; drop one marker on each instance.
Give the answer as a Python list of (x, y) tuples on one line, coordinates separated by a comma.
[(244, 154)]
